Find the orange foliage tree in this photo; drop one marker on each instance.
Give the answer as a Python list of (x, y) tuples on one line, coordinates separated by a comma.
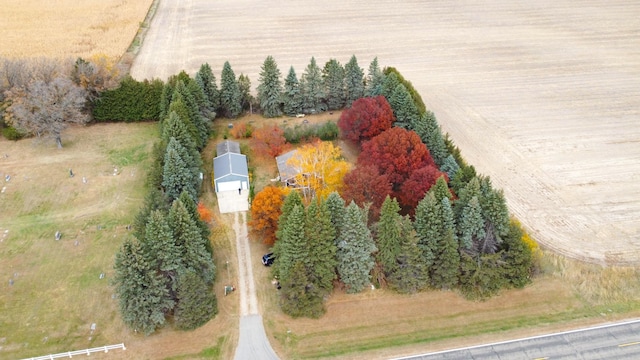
[(205, 214), (266, 208), (320, 167), (270, 140)]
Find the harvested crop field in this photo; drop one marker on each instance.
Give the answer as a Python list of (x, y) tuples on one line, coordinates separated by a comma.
[(68, 28), (544, 97)]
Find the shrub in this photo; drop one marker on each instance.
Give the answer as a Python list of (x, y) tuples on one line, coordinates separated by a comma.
[(11, 133), (327, 131), (241, 131), (132, 101)]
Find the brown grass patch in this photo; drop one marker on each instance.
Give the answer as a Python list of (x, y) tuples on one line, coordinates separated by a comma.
[(66, 28)]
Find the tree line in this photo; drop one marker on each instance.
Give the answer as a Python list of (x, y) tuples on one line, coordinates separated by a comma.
[(166, 272)]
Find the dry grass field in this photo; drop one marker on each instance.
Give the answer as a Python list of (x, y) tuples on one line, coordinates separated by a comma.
[(542, 96), (57, 292), (67, 28)]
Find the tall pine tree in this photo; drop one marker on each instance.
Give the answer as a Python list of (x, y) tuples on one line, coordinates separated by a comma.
[(292, 245), (354, 81), (320, 236), (313, 95), (144, 300), (230, 96), (270, 89), (207, 82), (355, 250), (177, 175), (196, 303), (292, 94), (446, 264), (334, 85), (375, 79)]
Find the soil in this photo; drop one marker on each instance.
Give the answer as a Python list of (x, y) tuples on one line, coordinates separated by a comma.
[(543, 97)]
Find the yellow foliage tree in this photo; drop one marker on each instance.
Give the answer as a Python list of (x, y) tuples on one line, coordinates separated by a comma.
[(320, 169)]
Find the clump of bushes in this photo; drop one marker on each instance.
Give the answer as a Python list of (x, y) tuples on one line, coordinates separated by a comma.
[(304, 132)]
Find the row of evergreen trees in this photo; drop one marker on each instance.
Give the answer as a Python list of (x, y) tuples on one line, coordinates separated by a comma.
[(167, 271), (445, 247)]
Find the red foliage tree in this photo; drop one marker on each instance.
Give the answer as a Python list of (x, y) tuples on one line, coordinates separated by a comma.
[(414, 188), (365, 184), (366, 118), (269, 140), (396, 153)]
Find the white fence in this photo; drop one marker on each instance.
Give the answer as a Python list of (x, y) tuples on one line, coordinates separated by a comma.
[(79, 352)]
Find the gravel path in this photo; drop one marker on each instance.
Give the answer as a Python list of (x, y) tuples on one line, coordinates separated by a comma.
[(253, 342), (543, 96)]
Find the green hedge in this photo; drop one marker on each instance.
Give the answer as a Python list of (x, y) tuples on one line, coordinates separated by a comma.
[(132, 101)]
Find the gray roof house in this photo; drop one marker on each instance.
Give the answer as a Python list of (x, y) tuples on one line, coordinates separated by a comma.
[(287, 172), (230, 171)]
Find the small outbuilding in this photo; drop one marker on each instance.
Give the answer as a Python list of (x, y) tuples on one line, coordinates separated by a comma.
[(230, 170), (287, 172)]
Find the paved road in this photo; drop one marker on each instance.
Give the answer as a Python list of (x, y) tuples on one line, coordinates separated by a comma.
[(612, 341)]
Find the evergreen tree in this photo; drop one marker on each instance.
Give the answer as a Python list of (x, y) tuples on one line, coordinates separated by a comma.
[(440, 190), (446, 263), (494, 211), (162, 253), (518, 260), (320, 236), (230, 96), (450, 166), (472, 226), (429, 227), (154, 200), (204, 116), (292, 245), (207, 82), (292, 199), (192, 209), (270, 88), (173, 127), (201, 125), (429, 131), (246, 99), (462, 177), (388, 233), (404, 109), (334, 84), (188, 238), (177, 176), (389, 85), (292, 94), (410, 274), (179, 107), (142, 295), (312, 89), (196, 303), (354, 81), (336, 207), (355, 249), (298, 296), (480, 276), (375, 79)]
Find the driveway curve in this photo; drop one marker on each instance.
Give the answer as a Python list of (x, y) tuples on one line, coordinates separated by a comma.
[(542, 96)]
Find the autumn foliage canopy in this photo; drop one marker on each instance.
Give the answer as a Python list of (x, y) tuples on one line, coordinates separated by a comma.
[(366, 118), (265, 212), (395, 163), (269, 140)]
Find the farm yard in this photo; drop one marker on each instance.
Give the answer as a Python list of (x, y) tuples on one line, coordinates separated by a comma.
[(543, 97)]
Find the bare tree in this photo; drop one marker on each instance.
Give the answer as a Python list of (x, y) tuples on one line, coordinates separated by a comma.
[(46, 109)]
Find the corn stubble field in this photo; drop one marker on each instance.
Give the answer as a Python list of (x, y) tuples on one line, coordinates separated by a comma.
[(543, 97)]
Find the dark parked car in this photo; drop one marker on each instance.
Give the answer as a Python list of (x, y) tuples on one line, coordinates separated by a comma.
[(268, 259)]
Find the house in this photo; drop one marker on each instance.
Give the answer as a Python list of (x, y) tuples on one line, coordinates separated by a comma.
[(287, 172), (230, 171)]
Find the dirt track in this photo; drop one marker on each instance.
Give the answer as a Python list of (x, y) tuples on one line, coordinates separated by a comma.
[(542, 96)]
